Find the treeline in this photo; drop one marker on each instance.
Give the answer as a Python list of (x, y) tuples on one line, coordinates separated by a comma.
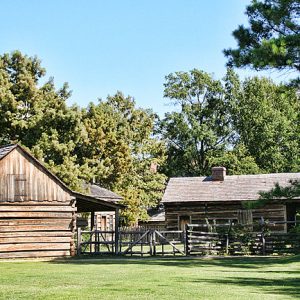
[(248, 126)]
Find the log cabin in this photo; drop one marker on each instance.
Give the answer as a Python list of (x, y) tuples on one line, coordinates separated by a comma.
[(219, 198), (37, 210)]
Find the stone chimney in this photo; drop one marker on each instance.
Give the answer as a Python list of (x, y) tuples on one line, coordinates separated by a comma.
[(218, 173)]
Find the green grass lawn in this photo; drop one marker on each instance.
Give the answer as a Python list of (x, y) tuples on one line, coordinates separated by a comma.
[(148, 278)]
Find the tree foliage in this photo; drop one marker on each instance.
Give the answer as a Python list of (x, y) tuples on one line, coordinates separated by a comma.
[(278, 192), (266, 119), (237, 161), (272, 39), (200, 129), (110, 143), (120, 149), (37, 115), (248, 126)]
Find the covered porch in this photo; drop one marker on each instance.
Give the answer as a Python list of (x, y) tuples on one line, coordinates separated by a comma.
[(94, 204), (90, 204)]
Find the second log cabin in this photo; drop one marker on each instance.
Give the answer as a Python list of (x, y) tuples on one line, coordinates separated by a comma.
[(219, 198)]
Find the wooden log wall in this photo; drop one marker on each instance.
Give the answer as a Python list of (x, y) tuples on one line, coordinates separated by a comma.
[(37, 212), (220, 212), (31, 230)]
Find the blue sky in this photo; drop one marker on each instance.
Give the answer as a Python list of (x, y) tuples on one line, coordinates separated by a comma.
[(99, 47)]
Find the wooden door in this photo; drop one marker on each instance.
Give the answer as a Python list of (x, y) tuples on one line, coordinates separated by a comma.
[(103, 223), (183, 220)]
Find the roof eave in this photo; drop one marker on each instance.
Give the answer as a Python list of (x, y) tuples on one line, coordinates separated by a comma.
[(98, 200)]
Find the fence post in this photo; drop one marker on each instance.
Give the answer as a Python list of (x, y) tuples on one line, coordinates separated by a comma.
[(79, 241), (154, 242), (227, 244), (117, 231), (186, 240), (263, 240), (151, 242), (227, 236)]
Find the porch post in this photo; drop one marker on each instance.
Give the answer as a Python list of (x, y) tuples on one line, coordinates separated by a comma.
[(117, 231), (79, 241), (92, 220), (92, 237)]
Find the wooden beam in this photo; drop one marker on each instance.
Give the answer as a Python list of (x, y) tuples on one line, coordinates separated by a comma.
[(32, 239), (36, 214), (32, 228), (36, 233), (37, 208), (34, 246), (34, 254)]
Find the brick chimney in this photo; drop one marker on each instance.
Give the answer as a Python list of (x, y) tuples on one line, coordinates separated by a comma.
[(218, 173)]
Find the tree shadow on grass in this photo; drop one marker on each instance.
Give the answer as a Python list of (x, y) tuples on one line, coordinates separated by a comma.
[(283, 286), (186, 262)]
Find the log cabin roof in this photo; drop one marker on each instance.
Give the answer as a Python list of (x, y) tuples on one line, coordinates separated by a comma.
[(99, 192), (232, 188), (4, 150), (156, 214), (97, 197)]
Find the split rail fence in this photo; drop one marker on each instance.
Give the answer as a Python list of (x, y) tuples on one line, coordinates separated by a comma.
[(196, 239)]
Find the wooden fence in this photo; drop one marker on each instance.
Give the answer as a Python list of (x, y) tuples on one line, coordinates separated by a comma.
[(196, 239), (131, 242), (239, 239)]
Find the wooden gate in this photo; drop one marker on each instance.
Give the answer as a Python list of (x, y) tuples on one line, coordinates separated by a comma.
[(131, 242), (152, 242)]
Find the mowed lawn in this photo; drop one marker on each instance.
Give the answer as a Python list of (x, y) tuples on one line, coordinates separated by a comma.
[(148, 278)]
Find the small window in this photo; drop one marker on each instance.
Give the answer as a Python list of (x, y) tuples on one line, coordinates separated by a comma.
[(17, 186)]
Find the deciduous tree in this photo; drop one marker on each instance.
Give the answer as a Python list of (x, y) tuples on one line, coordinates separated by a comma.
[(200, 129), (266, 121)]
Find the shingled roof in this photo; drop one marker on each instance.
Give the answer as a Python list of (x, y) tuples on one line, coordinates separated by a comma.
[(232, 188), (4, 150), (102, 193)]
